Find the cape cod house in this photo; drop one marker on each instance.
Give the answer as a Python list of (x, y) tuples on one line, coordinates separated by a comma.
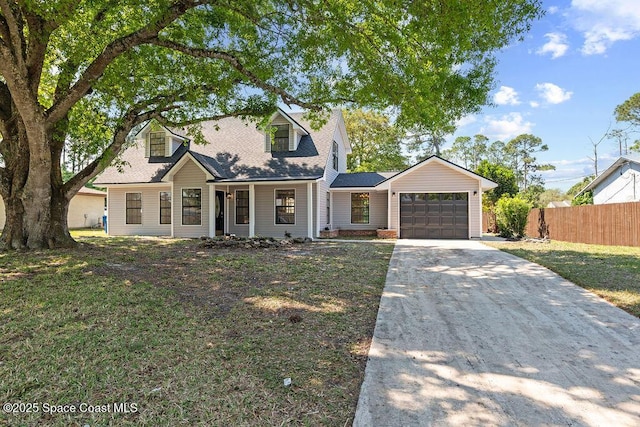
[(248, 183)]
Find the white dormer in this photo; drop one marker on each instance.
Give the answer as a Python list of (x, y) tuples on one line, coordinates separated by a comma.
[(287, 136), (159, 141)]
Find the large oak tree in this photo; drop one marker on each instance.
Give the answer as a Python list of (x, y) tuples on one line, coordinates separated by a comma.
[(89, 72)]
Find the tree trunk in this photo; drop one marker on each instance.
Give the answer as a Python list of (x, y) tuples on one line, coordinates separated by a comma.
[(36, 206)]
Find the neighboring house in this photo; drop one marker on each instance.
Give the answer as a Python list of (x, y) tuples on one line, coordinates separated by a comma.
[(86, 209), (559, 204), (244, 183), (619, 183)]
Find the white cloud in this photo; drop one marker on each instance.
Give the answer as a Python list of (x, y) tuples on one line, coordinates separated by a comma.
[(534, 104), (506, 127), (603, 23), (506, 96), (552, 10), (466, 120), (552, 94), (556, 45)]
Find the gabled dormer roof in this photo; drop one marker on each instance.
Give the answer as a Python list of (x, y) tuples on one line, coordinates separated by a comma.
[(234, 153), (179, 134), (294, 124)]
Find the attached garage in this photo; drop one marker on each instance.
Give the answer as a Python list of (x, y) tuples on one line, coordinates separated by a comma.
[(436, 199), (434, 216)]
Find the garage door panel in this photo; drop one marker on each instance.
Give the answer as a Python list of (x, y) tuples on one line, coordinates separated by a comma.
[(434, 215)]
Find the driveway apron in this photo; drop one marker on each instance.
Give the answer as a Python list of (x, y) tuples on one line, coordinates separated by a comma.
[(467, 335)]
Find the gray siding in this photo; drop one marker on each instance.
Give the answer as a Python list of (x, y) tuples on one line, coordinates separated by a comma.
[(265, 211), (623, 185), (237, 229), (434, 177), (190, 176), (150, 226), (342, 210)]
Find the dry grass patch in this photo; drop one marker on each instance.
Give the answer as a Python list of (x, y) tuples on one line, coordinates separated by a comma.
[(192, 336), (612, 272)]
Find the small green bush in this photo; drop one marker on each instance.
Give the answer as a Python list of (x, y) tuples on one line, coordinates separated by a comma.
[(511, 216)]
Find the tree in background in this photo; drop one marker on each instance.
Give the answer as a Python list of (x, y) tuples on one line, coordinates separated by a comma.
[(95, 71), (376, 143), (578, 198), (628, 111), (460, 151), (507, 186), (520, 152), (468, 152), (427, 141)]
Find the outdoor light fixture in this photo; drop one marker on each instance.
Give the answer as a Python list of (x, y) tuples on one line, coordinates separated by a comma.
[(229, 196), (393, 194), (475, 193)]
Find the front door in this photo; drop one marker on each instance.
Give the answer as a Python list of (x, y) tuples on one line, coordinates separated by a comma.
[(219, 213)]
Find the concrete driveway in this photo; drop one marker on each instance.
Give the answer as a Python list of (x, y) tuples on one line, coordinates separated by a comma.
[(468, 335)]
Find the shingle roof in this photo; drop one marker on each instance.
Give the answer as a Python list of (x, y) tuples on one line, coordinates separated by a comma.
[(360, 179), (634, 158), (235, 152)]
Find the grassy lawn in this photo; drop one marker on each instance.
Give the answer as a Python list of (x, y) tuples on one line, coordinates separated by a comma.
[(612, 272), (191, 336)]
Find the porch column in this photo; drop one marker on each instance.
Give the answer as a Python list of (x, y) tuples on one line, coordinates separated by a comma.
[(310, 210), (227, 210), (252, 210), (212, 210), (389, 210), (173, 207)]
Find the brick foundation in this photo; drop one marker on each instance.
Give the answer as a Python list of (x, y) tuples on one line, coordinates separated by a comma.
[(329, 234), (387, 234), (351, 233)]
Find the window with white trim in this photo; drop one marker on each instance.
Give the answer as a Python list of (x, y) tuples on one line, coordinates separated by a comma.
[(242, 206), (335, 155), (191, 206), (285, 206), (281, 138), (156, 144), (359, 208), (133, 206), (328, 208), (165, 207)]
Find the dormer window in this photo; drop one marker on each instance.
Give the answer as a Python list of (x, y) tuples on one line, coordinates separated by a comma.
[(157, 144), (281, 138)]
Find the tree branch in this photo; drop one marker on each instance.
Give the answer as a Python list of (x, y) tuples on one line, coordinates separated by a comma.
[(232, 60), (114, 49), (13, 18)]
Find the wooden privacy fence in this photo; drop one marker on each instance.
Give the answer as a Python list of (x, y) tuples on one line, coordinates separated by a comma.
[(611, 224)]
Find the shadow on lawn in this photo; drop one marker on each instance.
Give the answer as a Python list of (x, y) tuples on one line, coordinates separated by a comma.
[(615, 277)]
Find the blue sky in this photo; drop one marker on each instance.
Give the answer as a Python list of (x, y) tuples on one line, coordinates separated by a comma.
[(563, 82)]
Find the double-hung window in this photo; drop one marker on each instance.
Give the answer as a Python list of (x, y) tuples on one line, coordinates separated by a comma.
[(360, 208), (133, 208), (242, 206), (191, 206), (156, 144), (281, 138), (285, 206), (165, 207)]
